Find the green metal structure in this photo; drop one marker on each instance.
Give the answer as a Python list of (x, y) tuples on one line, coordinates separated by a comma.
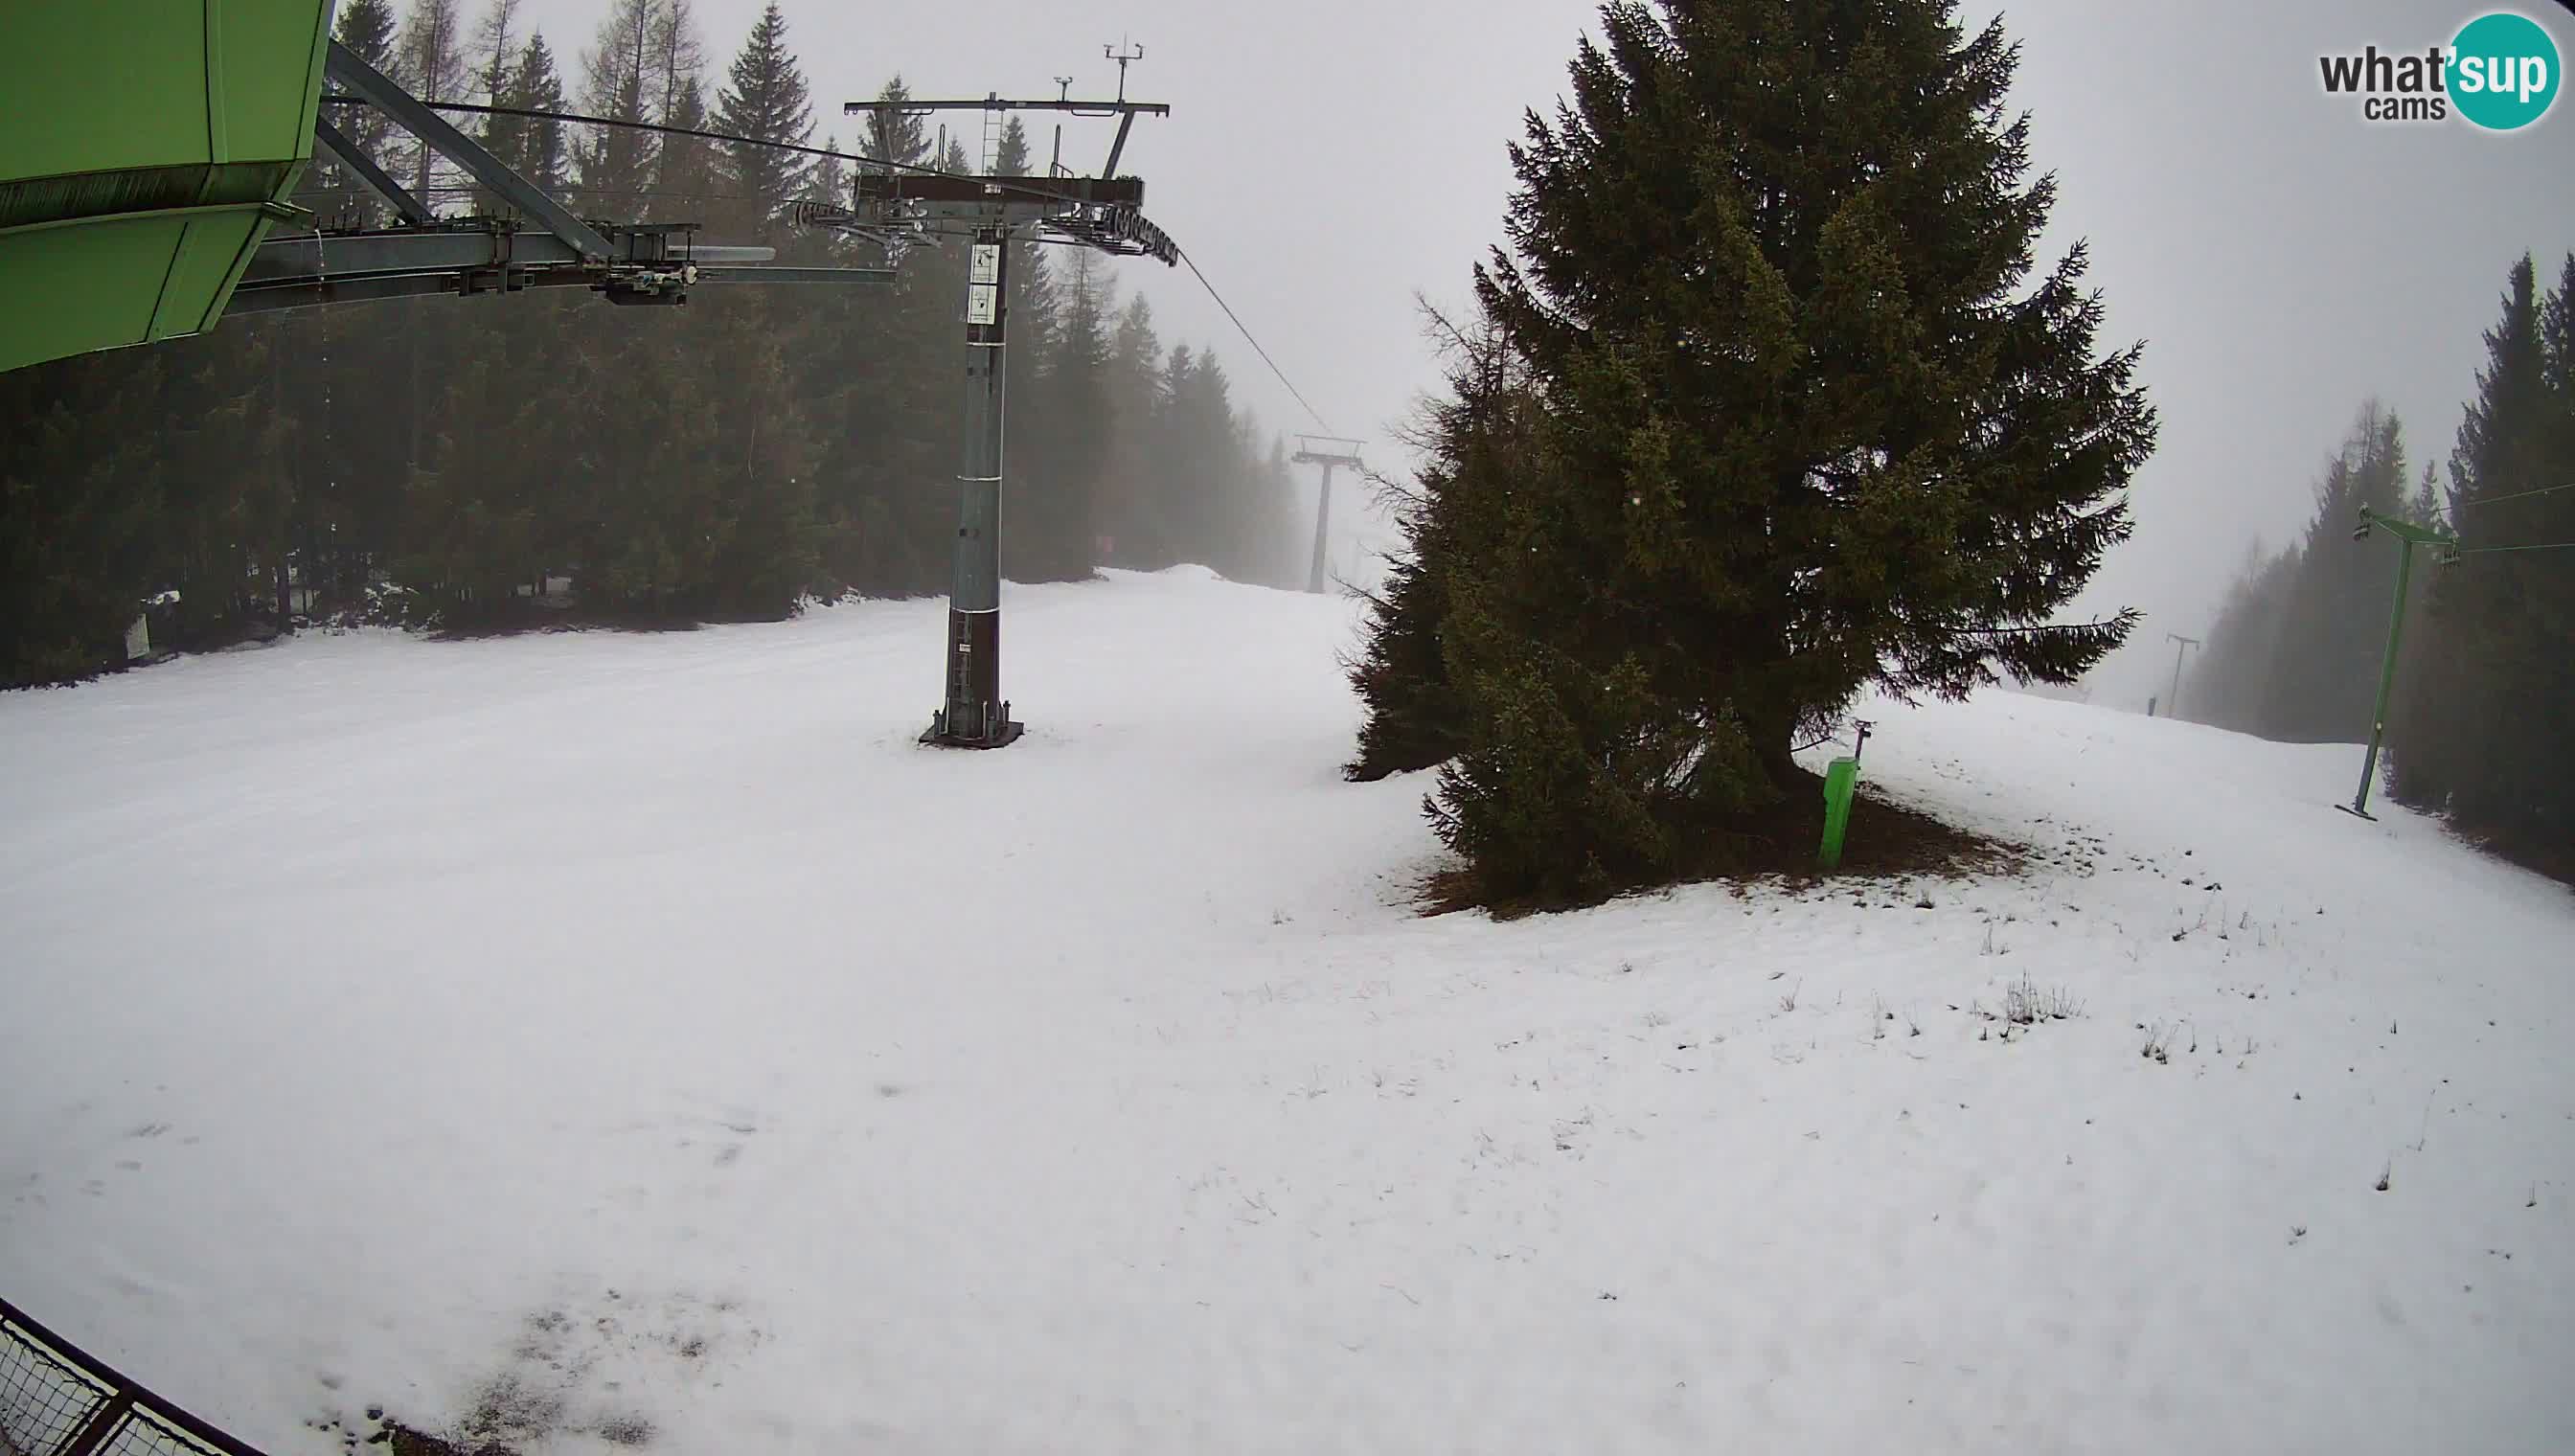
[(2411, 535), (1841, 781), (148, 147)]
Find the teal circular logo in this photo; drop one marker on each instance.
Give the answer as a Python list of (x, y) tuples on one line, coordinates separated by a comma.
[(2502, 72)]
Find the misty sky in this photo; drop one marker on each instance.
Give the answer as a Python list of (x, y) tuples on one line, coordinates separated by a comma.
[(1326, 159)]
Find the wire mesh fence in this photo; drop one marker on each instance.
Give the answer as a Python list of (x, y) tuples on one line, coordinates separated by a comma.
[(56, 1400)]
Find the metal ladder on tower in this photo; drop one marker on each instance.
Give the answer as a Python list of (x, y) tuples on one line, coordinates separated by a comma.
[(994, 121)]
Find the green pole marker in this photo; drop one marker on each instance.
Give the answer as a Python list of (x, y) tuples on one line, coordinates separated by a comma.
[(2386, 681), (1839, 781), (2411, 535)]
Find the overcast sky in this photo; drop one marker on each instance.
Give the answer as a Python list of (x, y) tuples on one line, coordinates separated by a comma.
[(1328, 159)]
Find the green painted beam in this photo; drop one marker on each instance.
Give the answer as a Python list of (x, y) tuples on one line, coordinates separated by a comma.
[(146, 148)]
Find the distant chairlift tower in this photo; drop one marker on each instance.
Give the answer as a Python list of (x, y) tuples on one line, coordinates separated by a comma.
[(994, 213), (1330, 453)]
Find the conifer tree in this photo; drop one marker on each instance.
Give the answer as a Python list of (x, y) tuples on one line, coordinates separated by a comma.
[(433, 62), (2329, 630), (1076, 411), (1812, 420), (677, 54), (684, 174), (1013, 159), (1471, 437), (543, 153), (765, 97), (498, 48), (892, 133), (368, 28), (615, 161), (2488, 712)]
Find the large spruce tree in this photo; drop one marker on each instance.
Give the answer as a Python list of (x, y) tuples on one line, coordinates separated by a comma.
[(764, 98), (2489, 704), (1471, 440), (1812, 419)]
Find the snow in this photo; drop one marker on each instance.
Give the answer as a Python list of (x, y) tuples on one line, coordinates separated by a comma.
[(600, 1032)]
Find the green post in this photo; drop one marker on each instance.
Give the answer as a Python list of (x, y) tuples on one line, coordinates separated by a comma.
[(2411, 535), (2386, 682), (1839, 781)]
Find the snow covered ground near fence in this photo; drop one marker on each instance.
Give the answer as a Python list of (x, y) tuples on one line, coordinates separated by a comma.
[(592, 1039)]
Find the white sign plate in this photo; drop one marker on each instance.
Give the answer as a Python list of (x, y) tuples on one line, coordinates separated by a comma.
[(987, 265), (983, 302)]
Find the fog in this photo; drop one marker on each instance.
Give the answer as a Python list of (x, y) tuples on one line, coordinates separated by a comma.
[(1324, 162)]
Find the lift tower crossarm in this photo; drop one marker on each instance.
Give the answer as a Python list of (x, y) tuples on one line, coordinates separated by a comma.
[(2403, 529), (435, 132), (1124, 110), (998, 102), (1097, 212)]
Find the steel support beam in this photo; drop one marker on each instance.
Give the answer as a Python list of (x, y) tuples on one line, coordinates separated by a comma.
[(306, 256), (988, 191), (797, 275), (310, 268), (314, 293), (997, 103), (353, 158), (1118, 148), (452, 249), (377, 90)]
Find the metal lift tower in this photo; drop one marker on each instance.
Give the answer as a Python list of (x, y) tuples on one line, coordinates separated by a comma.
[(994, 213), (1329, 452)]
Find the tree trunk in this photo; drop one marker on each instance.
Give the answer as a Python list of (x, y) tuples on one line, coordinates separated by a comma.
[(1773, 729)]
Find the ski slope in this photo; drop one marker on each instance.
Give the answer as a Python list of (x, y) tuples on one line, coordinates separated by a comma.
[(591, 1039)]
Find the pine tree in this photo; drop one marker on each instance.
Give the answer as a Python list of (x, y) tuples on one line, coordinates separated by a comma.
[(2413, 767), (676, 56), (1012, 158), (543, 154), (433, 62), (614, 162), (1471, 439), (1044, 496), (81, 515), (2483, 731), (366, 27), (829, 179), (765, 97), (2330, 633), (2229, 682), (893, 135), (1812, 422), (1130, 509), (1078, 415), (469, 524), (765, 458), (497, 50), (683, 176)]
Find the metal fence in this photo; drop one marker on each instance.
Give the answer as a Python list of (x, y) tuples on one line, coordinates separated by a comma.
[(57, 1401)]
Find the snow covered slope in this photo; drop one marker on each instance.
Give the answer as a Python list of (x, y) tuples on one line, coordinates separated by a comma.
[(592, 1037)]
